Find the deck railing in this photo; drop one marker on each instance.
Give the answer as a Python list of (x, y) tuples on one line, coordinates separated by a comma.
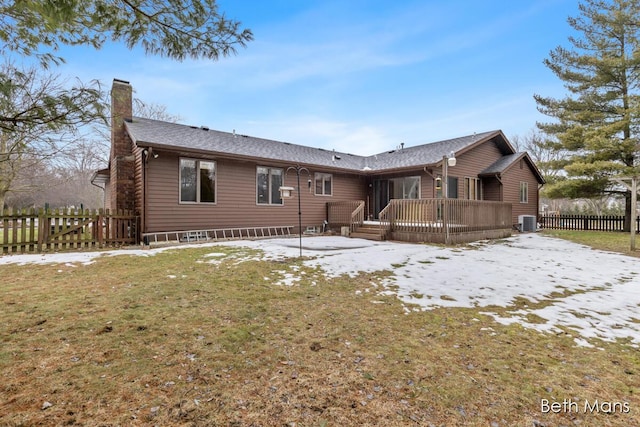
[(357, 217), (345, 213), (385, 217), (444, 218)]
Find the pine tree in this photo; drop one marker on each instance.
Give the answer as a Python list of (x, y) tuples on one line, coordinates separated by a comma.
[(598, 121), (176, 29)]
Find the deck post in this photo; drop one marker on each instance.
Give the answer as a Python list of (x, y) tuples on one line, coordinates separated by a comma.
[(634, 211), (447, 160)]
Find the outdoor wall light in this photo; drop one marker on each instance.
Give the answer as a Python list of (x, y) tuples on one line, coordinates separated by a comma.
[(451, 159), (150, 153), (447, 162)]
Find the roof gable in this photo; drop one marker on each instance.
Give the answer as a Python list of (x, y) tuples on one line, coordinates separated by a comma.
[(432, 153), (504, 163)]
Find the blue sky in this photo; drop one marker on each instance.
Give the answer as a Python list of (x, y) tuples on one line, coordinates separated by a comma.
[(358, 76)]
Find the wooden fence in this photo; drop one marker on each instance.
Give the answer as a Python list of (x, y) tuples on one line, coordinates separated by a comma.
[(586, 222), (45, 230)]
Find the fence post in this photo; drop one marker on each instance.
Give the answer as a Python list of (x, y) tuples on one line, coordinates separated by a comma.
[(5, 232), (100, 235), (41, 228)]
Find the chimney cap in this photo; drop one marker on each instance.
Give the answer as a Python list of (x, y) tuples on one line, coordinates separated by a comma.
[(121, 81)]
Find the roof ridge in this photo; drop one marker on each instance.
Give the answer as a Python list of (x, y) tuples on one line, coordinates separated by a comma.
[(202, 139)]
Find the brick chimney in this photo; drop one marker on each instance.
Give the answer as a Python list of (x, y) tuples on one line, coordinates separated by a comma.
[(121, 159)]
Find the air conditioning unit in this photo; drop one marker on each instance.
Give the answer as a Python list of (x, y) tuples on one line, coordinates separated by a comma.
[(527, 223)]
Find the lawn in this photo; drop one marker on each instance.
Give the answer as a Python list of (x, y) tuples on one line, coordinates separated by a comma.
[(176, 339), (608, 241), (18, 236)]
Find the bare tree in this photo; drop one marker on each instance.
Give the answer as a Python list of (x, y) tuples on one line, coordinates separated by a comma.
[(44, 113), (63, 180)]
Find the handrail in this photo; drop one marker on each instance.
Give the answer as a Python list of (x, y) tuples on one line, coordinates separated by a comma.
[(345, 212), (357, 216), (385, 222)]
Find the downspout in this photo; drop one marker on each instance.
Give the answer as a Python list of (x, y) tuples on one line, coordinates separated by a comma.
[(433, 189), (145, 163), (538, 200), (104, 189), (501, 188), (428, 173), (99, 186)]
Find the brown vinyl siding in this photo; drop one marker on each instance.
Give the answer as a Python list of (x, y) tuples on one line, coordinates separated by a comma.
[(236, 204), (139, 181), (511, 189), (491, 189), (470, 163)]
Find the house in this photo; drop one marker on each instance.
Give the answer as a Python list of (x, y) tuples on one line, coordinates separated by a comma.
[(178, 177)]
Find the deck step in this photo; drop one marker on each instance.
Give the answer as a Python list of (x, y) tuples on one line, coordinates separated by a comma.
[(369, 233), (367, 236)]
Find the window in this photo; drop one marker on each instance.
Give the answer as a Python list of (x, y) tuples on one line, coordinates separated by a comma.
[(404, 188), (524, 192), (323, 184), (452, 187), (472, 190), (197, 181), (268, 183)]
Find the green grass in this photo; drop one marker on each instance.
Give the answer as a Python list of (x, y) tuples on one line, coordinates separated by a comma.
[(175, 340), (608, 241), (68, 241), (18, 239)]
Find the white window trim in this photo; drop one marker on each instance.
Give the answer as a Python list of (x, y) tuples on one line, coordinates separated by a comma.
[(215, 183), (525, 185), (269, 168), (322, 176)]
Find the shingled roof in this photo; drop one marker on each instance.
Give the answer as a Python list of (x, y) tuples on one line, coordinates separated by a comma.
[(193, 139), (502, 164)]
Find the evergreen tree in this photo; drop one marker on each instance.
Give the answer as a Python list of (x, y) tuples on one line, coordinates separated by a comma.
[(176, 29), (598, 122)]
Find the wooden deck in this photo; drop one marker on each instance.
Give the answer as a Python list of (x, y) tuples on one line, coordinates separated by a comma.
[(448, 221)]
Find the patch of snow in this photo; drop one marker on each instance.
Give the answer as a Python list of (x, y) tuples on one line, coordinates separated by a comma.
[(215, 254), (593, 293)]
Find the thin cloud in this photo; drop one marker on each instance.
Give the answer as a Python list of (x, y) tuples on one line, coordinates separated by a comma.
[(359, 77), (342, 136)]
